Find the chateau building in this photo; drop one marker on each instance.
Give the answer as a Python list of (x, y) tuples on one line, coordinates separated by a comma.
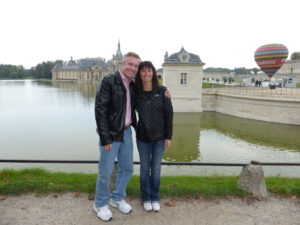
[(182, 74), (87, 69)]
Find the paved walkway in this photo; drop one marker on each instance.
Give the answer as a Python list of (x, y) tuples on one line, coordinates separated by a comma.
[(75, 209)]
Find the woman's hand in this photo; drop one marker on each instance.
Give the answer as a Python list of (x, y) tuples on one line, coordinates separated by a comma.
[(168, 94), (168, 143)]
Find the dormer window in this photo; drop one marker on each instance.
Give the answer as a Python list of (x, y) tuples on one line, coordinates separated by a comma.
[(184, 57)]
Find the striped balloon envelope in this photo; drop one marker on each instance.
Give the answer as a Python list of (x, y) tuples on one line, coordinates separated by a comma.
[(271, 57)]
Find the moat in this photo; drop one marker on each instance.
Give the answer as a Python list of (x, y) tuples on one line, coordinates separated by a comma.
[(45, 120)]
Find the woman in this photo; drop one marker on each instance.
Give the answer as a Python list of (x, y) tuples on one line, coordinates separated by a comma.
[(153, 133)]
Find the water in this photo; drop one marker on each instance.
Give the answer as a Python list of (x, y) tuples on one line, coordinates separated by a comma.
[(45, 120)]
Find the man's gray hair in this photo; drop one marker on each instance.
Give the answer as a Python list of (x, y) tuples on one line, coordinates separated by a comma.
[(131, 54)]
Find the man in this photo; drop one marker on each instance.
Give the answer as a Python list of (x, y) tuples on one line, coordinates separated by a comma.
[(114, 117)]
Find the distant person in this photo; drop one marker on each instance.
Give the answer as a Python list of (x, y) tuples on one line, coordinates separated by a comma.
[(153, 132), (114, 117)]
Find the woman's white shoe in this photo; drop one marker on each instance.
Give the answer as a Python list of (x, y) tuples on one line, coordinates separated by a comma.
[(147, 206), (155, 206)]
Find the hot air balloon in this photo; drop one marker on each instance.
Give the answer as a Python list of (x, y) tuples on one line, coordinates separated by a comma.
[(271, 57)]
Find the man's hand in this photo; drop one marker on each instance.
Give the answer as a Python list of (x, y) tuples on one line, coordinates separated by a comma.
[(168, 143), (108, 147), (168, 93)]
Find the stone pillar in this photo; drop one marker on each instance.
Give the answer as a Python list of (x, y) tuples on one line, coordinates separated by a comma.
[(252, 181)]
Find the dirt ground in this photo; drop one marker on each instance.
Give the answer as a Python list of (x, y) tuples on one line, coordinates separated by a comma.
[(76, 209)]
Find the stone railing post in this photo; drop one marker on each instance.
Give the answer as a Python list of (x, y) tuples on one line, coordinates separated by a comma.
[(252, 180)]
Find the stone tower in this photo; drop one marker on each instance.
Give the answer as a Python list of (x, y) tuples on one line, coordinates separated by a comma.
[(118, 57), (183, 76)]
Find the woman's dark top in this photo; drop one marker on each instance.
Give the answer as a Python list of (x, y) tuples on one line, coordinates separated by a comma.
[(155, 113)]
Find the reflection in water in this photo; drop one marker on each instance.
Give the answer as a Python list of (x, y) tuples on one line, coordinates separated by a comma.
[(185, 141), (55, 120), (87, 89), (281, 136), (187, 127)]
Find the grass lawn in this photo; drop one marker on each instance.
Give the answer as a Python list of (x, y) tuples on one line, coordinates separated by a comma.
[(15, 182)]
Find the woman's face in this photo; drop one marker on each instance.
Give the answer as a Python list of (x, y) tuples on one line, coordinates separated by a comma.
[(146, 74)]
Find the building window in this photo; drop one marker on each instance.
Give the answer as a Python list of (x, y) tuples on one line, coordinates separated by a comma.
[(183, 79)]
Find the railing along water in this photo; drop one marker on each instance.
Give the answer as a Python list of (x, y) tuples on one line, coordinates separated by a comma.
[(163, 163)]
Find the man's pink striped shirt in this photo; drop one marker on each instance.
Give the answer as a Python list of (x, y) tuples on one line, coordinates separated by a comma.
[(126, 83)]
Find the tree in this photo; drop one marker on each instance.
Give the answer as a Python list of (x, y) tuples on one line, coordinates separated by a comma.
[(216, 70), (242, 70), (255, 70), (43, 70)]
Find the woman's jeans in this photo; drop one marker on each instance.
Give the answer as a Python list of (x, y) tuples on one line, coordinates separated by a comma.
[(123, 152), (151, 154)]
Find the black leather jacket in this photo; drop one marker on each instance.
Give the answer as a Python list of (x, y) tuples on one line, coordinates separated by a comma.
[(110, 108), (155, 114)]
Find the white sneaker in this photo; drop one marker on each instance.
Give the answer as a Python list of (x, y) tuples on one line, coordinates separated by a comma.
[(103, 212), (155, 206), (147, 206), (123, 206)]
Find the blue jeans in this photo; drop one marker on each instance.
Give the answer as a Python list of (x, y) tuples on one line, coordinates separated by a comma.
[(123, 152), (151, 154)]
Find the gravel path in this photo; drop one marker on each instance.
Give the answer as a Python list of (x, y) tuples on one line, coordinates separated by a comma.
[(75, 209)]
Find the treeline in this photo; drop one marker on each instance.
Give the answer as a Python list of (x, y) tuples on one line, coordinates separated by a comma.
[(15, 72), (41, 71), (238, 70)]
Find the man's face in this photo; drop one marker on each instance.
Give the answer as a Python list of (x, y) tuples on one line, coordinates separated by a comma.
[(130, 67)]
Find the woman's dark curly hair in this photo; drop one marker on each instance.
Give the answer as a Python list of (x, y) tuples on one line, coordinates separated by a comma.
[(138, 81)]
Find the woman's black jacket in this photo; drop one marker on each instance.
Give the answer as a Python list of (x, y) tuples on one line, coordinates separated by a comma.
[(155, 115)]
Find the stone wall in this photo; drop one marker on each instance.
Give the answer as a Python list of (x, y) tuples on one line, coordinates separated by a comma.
[(187, 104), (270, 109)]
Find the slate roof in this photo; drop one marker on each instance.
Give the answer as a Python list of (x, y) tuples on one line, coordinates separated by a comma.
[(175, 58), (81, 64)]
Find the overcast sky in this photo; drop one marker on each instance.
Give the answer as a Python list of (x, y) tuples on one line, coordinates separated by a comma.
[(224, 33)]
